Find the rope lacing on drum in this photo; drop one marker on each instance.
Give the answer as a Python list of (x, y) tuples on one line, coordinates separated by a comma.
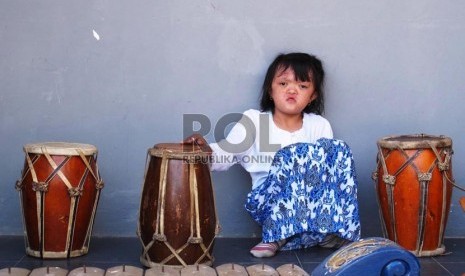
[(19, 185), (389, 179), (195, 216), (444, 166), (424, 179), (159, 234), (424, 176), (99, 184), (74, 192), (374, 175), (159, 237), (155, 235), (195, 240), (39, 186)]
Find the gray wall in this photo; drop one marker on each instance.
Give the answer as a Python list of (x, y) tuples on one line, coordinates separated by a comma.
[(393, 67)]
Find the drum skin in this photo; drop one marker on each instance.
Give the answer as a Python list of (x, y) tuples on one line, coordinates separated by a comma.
[(171, 214), (414, 210), (58, 225)]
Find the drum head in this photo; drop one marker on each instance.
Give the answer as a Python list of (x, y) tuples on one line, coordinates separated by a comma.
[(416, 141), (177, 150), (60, 148)]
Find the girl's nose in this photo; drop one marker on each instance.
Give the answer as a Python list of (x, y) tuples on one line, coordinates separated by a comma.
[(292, 89)]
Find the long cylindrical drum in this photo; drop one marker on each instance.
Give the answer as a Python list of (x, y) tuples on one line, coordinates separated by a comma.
[(177, 215), (414, 186), (59, 192)]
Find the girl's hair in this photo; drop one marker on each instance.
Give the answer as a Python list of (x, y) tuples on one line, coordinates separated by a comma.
[(306, 68)]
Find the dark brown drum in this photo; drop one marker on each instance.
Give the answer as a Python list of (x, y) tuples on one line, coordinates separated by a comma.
[(177, 216), (59, 191), (414, 186)]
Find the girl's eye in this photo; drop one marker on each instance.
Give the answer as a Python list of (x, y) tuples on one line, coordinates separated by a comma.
[(282, 83), (304, 86)]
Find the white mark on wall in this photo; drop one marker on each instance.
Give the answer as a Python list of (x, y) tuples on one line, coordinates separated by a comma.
[(240, 47), (213, 6), (96, 35), (54, 95)]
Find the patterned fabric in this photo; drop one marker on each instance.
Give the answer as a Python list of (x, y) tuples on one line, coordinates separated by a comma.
[(310, 192)]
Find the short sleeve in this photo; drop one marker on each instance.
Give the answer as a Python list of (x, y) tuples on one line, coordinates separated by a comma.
[(237, 143)]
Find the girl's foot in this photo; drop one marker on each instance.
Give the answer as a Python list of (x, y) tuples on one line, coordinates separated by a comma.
[(333, 241), (263, 250)]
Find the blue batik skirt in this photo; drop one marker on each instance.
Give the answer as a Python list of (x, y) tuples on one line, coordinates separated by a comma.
[(310, 193)]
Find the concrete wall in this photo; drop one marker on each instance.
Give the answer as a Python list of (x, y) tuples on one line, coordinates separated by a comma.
[(121, 74)]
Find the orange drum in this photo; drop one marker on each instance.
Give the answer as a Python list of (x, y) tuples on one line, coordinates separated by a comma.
[(59, 191), (414, 186), (177, 216)]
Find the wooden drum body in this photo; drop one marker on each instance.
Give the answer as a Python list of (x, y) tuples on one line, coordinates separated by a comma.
[(177, 216), (59, 191), (413, 182)]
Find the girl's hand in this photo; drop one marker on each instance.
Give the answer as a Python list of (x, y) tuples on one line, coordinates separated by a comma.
[(198, 139)]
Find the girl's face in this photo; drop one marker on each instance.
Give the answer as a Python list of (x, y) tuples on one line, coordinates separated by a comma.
[(290, 96)]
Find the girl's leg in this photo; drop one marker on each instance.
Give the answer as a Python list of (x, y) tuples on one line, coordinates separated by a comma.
[(311, 190)]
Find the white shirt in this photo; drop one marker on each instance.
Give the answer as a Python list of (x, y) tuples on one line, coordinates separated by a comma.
[(254, 140)]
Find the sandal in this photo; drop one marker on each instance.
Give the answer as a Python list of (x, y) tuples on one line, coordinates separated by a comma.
[(262, 249)]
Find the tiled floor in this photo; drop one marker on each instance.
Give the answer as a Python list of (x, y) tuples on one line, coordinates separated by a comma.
[(108, 252)]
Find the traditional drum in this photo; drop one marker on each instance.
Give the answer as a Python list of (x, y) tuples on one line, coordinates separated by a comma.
[(59, 191), (414, 186), (177, 215)]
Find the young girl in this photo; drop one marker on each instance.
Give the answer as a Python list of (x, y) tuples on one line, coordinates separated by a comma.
[(304, 188)]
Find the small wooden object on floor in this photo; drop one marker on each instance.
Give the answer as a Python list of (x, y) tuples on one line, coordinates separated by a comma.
[(14, 271), (124, 270), (162, 270), (291, 270), (231, 270), (261, 270), (49, 271), (87, 271), (200, 269)]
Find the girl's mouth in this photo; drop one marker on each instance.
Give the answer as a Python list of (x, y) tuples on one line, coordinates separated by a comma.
[(290, 99)]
